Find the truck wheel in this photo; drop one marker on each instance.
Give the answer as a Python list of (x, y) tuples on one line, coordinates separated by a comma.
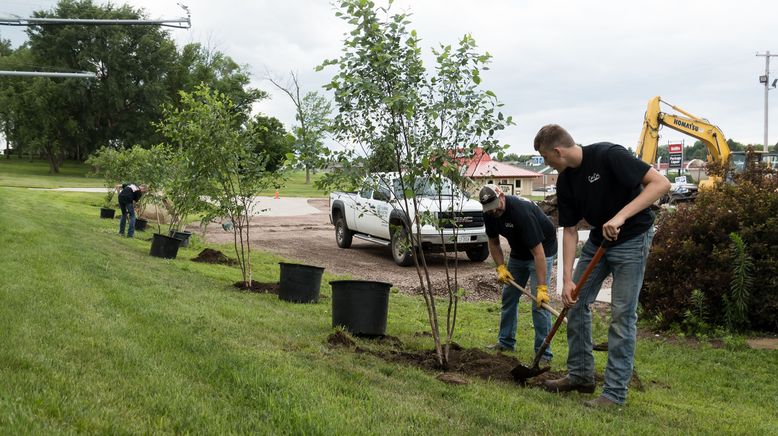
[(401, 252), (478, 254), (343, 236)]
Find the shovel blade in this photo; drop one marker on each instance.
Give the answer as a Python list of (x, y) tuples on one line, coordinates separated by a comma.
[(521, 373)]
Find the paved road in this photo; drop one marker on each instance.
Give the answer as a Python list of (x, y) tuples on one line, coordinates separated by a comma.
[(266, 206)]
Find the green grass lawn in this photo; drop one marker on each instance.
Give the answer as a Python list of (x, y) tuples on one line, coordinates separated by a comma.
[(17, 172), (295, 186), (99, 337), (35, 174)]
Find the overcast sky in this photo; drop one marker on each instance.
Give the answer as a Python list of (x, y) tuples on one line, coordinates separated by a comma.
[(590, 66)]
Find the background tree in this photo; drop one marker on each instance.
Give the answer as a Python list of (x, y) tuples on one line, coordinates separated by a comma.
[(5, 52), (131, 64), (428, 122), (700, 151), (220, 162), (269, 137), (312, 113), (138, 71), (196, 64), (513, 157)]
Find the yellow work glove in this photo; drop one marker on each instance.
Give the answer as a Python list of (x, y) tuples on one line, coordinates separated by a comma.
[(542, 295), (503, 275)]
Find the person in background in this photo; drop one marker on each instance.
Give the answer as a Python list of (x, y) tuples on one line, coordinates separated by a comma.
[(129, 195), (532, 238), (612, 190)]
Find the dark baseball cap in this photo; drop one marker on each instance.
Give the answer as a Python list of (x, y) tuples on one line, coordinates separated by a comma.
[(489, 197)]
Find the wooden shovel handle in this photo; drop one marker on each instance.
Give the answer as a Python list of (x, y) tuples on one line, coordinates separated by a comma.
[(582, 281), (527, 293)]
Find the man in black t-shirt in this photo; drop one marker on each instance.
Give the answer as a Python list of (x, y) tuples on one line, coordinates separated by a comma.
[(129, 194), (532, 238), (610, 188)]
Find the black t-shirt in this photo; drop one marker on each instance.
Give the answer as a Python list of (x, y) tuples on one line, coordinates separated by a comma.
[(524, 225), (608, 178), (129, 194)]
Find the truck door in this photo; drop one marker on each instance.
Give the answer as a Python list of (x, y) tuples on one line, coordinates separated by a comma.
[(378, 210), (362, 209)]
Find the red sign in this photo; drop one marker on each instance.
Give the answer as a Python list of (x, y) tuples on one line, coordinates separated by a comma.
[(675, 148)]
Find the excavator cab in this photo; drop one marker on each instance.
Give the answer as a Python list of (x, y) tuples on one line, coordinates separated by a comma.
[(738, 159)]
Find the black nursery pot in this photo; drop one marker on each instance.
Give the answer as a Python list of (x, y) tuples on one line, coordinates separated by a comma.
[(164, 246), (360, 306), (183, 236), (299, 283), (140, 224), (106, 212)]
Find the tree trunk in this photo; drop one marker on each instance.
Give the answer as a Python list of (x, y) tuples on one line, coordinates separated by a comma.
[(53, 160), (307, 175)]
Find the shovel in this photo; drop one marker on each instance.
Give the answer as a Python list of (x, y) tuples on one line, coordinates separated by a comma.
[(521, 373), (532, 297)]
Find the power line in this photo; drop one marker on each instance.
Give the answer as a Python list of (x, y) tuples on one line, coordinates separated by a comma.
[(78, 75), (180, 23)]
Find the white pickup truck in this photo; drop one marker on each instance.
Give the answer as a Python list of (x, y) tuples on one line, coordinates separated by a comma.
[(376, 214)]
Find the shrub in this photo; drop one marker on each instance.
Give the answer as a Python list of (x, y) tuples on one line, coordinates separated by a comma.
[(693, 250)]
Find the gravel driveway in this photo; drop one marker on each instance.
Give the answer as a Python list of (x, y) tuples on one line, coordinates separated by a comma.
[(310, 239)]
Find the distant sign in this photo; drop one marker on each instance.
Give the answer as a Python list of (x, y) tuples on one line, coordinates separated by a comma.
[(676, 155), (680, 179), (508, 189), (675, 148)]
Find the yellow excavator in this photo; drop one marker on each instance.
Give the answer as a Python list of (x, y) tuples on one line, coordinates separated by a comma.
[(694, 126)]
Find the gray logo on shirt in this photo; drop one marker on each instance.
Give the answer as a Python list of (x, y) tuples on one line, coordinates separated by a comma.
[(594, 177)]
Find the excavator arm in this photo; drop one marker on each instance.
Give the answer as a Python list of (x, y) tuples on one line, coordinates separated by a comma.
[(696, 127)]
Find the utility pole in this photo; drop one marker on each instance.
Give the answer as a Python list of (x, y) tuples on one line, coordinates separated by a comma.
[(766, 80)]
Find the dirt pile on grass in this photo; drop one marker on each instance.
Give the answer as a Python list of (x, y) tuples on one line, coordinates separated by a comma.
[(467, 362), (472, 362), (463, 362), (214, 256), (260, 288), (340, 339)]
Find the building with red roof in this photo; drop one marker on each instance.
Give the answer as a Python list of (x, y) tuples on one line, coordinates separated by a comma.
[(512, 180)]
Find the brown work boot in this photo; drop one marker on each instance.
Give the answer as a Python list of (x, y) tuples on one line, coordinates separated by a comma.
[(566, 384), (601, 402)]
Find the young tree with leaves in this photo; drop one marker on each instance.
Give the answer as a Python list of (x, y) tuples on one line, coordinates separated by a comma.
[(430, 122), (220, 162)]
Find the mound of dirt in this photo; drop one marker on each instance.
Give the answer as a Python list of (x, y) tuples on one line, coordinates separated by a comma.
[(473, 362), (214, 256), (340, 339), (260, 288)]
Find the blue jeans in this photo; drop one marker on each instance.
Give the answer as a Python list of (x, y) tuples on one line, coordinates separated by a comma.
[(541, 319), (627, 263), (127, 209)]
